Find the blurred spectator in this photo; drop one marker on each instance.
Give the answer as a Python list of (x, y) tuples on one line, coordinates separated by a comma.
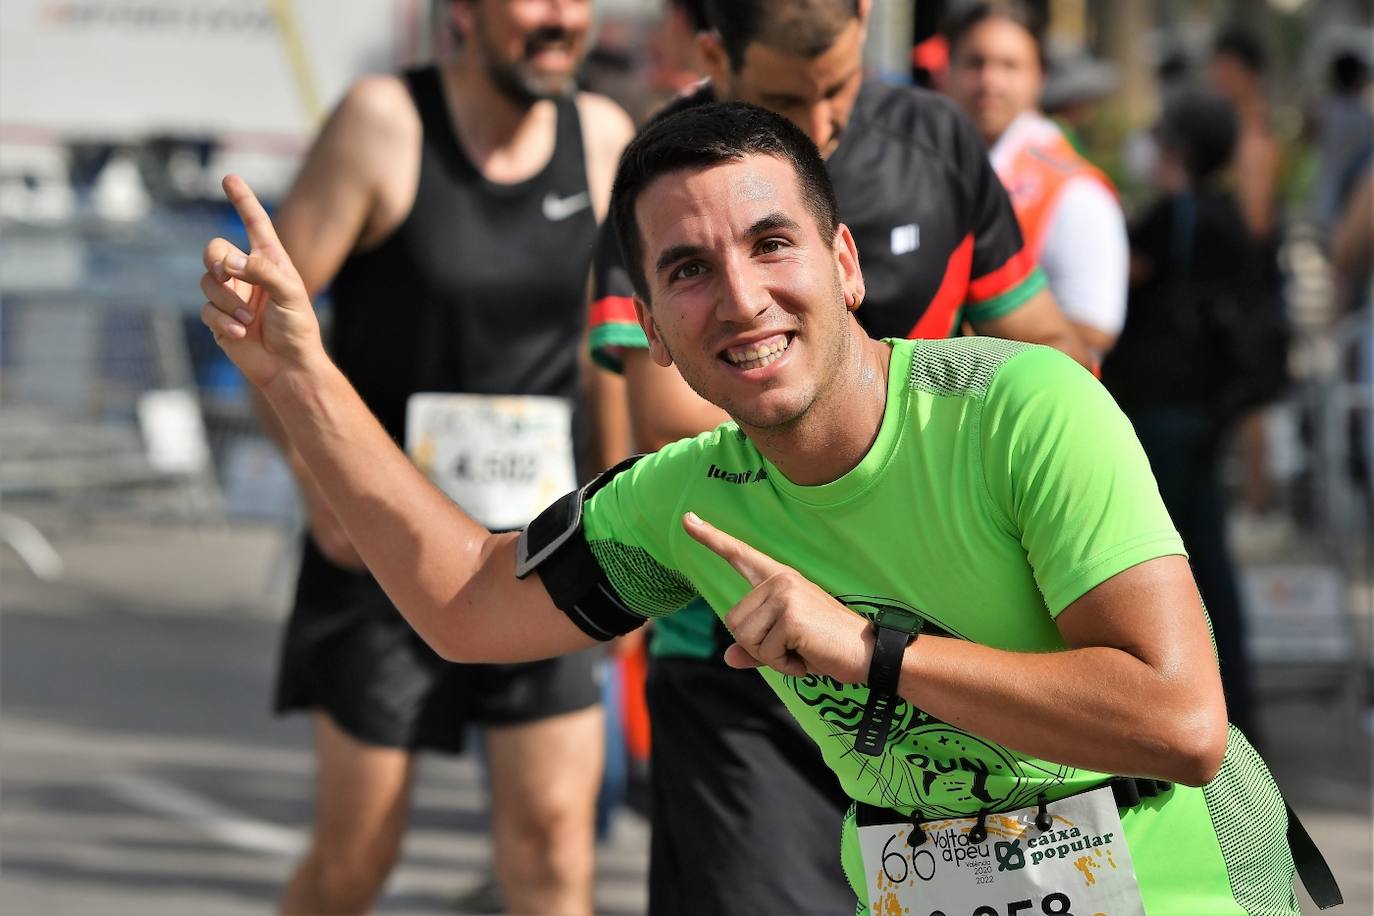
[(1352, 238), (1075, 87), (673, 63), (614, 67), (1199, 335), (1237, 70), (1345, 135), (1066, 206), (1352, 256), (645, 67)]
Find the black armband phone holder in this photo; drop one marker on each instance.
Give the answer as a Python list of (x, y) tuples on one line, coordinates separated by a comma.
[(554, 545)]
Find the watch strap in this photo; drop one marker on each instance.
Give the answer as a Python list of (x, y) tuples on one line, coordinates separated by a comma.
[(894, 629)]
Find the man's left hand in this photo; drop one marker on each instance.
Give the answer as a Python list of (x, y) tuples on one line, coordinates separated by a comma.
[(786, 621)]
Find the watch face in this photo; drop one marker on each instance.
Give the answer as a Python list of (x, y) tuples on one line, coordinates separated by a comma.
[(888, 613)]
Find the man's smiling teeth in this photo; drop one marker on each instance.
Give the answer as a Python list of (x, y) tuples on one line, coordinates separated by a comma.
[(757, 355)]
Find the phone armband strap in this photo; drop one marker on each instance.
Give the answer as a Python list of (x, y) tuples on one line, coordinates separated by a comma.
[(554, 545)]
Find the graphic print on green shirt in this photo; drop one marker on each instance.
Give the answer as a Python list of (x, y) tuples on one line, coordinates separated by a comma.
[(1004, 484)]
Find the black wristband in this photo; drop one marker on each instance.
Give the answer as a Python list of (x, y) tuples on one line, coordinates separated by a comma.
[(894, 629)]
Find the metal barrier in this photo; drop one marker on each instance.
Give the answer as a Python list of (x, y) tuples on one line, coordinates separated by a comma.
[(111, 395)]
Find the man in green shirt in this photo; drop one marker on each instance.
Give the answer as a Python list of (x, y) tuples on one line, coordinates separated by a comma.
[(947, 557)]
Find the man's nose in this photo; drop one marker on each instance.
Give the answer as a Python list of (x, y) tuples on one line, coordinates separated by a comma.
[(821, 124), (742, 297), (563, 14)]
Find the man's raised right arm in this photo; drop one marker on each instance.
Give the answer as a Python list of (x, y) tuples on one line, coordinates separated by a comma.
[(452, 579)]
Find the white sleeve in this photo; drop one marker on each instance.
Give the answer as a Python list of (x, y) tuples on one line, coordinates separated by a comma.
[(1086, 256)]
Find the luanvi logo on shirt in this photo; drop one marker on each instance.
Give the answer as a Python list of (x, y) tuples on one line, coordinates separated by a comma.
[(737, 476), (558, 208)]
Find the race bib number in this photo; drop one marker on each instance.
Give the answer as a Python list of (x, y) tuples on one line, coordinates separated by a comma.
[(503, 459), (1081, 866)]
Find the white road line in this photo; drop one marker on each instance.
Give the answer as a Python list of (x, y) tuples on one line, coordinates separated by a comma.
[(219, 823), (205, 816)]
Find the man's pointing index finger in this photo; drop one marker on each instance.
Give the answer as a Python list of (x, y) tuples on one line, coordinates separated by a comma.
[(750, 563), (256, 222)]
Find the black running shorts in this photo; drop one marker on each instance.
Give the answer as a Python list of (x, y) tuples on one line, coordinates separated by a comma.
[(348, 653), (745, 812)]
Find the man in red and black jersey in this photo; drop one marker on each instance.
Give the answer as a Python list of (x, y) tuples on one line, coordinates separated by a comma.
[(940, 246)]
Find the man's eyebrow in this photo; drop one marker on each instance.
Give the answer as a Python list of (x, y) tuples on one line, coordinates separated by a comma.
[(677, 253), (772, 223)]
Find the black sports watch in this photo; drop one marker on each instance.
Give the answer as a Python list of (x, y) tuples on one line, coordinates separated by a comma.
[(894, 629)]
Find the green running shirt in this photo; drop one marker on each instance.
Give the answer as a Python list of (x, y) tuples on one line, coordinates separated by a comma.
[(1004, 484)]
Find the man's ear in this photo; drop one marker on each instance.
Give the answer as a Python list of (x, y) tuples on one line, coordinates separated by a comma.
[(460, 17), (847, 262), (714, 61), (865, 8), (657, 351)]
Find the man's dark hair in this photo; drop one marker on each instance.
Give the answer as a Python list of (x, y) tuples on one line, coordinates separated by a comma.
[(697, 136), (1243, 45), (804, 28), (966, 16), (695, 11), (1201, 126)]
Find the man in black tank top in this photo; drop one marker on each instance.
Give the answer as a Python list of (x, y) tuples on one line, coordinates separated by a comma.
[(452, 211)]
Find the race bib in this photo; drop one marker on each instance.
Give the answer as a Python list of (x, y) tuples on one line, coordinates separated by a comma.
[(1081, 866), (503, 459)]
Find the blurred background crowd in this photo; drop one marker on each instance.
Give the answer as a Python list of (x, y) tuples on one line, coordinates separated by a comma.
[(150, 529)]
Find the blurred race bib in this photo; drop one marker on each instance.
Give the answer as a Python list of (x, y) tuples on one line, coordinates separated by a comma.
[(501, 458), (1081, 866)]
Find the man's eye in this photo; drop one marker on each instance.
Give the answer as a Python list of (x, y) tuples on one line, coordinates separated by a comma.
[(768, 246), (687, 271)]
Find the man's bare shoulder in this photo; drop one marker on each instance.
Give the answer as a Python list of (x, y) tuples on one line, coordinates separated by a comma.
[(359, 179), (605, 123), (378, 110), (606, 128)]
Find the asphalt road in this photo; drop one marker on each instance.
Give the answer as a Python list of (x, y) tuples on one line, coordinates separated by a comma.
[(141, 773)]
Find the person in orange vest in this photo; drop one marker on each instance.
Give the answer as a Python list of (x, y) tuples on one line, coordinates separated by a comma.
[(1068, 209)]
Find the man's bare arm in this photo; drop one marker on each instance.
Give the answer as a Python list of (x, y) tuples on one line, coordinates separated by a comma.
[(663, 408), (1039, 320), (1352, 238), (452, 579), (1095, 339), (1137, 693)]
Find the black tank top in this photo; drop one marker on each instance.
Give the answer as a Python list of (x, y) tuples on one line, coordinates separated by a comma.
[(481, 288)]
